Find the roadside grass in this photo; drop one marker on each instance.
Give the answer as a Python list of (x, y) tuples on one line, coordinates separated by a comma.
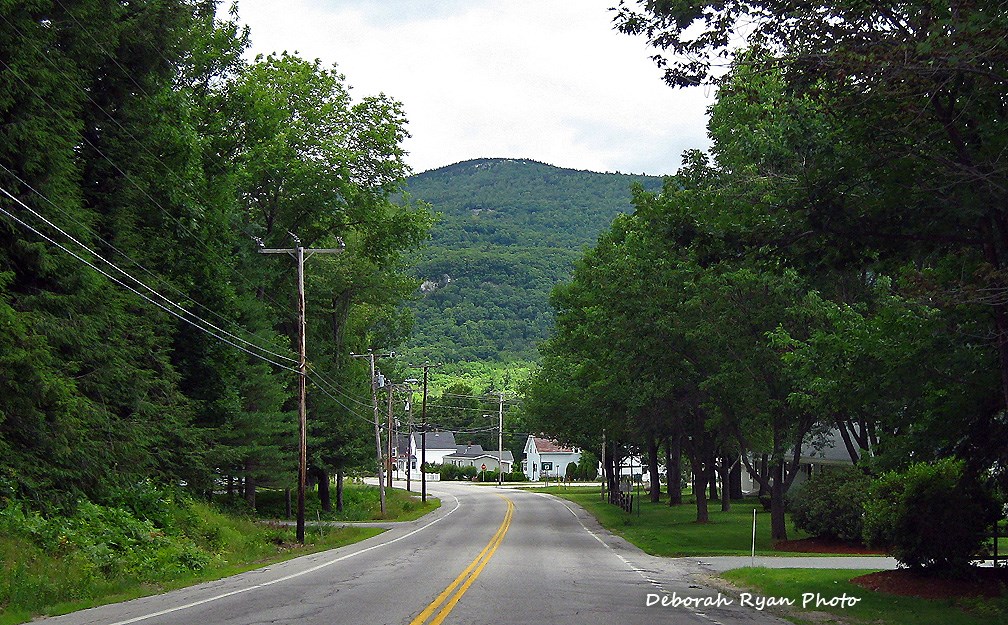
[(873, 608), (663, 530), (361, 502), (105, 554)]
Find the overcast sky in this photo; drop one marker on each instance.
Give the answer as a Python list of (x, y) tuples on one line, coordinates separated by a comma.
[(548, 80)]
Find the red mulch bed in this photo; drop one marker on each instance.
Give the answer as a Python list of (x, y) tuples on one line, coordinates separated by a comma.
[(822, 545), (980, 582)]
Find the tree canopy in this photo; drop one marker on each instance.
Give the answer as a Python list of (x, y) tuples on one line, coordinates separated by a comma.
[(140, 155)]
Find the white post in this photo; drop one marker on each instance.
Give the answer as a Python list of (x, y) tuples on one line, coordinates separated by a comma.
[(753, 557)]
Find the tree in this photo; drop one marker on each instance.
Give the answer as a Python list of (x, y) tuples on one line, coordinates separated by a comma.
[(901, 107)]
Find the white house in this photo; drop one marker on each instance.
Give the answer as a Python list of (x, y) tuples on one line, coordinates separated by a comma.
[(476, 456), (546, 458), (830, 451), (439, 445)]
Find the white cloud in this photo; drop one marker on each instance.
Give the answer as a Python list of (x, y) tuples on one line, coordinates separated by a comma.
[(543, 79)]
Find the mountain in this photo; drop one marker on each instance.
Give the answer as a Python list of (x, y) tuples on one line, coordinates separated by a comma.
[(508, 231)]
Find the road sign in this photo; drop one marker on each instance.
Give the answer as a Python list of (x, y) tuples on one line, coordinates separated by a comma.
[(484, 467)]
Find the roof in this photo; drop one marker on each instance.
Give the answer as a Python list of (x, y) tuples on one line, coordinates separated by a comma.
[(546, 446), (435, 440), (828, 449), (472, 453)]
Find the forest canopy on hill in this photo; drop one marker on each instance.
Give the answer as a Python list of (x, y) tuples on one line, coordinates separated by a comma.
[(508, 230)]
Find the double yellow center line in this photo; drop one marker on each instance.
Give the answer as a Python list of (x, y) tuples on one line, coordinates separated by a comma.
[(467, 577)]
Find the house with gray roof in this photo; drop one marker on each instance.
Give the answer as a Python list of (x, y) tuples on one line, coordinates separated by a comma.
[(439, 445), (476, 456)]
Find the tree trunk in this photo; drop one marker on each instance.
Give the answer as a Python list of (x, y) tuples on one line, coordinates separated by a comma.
[(673, 468), (763, 495), (323, 491), (700, 490), (712, 477), (610, 473), (778, 524), (339, 489), (287, 503), (735, 482), (725, 489), (250, 485), (653, 469)]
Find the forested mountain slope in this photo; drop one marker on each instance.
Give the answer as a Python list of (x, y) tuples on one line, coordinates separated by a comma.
[(509, 230)]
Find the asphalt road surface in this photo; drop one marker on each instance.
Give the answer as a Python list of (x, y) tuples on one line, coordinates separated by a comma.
[(488, 555)]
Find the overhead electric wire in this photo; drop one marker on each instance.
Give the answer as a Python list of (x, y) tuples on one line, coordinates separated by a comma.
[(349, 410), (319, 378), (172, 303), (169, 170), (315, 376), (333, 386), (83, 260)]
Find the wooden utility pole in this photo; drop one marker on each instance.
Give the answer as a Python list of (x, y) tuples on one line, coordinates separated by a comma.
[(409, 446), (423, 437), (391, 460), (423, 433), (299, 254), (500, 445), (377, 430)]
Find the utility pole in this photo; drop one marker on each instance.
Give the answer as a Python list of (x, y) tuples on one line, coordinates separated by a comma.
[(409, 447), (299, 254), (500, 445), (423, 437), (377, 430), (390, 459), (423, 433)]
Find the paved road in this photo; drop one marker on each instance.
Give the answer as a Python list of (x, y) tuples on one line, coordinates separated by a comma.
[(488, 555)]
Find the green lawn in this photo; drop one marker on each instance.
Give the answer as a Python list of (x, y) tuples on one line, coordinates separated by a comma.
[(873, 608), (662, 530)]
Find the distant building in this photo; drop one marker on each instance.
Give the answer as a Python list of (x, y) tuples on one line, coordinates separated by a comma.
[(439, 445), (476, 456), (547, 458)]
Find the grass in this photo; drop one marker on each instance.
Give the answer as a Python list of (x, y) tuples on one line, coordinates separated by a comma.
[(873, 608), (664, 530), (361, 502), (105, 554)]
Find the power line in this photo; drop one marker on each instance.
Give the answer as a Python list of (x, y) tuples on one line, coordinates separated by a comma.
[(126, 176), (171, 172), (41, 217), (81, 259)]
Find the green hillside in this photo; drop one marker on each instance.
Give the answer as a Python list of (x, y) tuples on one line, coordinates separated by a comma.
[(509, 230)]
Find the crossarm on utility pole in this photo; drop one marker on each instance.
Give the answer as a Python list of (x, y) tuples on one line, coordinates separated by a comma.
[(299, 255)]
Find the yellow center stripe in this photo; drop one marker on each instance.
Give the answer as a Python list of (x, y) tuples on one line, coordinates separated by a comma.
[(468, 576)]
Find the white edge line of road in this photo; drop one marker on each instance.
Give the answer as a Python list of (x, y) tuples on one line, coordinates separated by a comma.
[(288, 577), (631, 565)]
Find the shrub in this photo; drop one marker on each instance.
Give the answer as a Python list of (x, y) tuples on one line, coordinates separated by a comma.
[(587, 467), (831, 504), (449, 472), (515, 476), (930, 515), (572, 472)]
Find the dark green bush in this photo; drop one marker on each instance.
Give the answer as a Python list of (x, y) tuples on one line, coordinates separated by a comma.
[(515, 476), (572, 472), (930, 516), (450, 472), (831, 504), (587, 467)]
